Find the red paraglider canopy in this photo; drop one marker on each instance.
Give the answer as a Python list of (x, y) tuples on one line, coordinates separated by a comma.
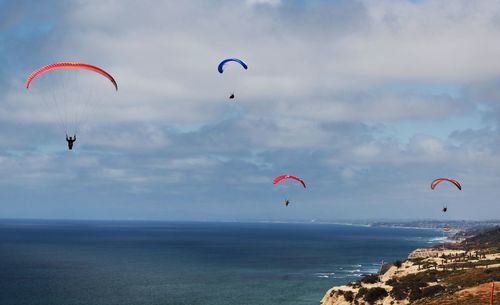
[(69, 65), (282, 177), (439, 180)]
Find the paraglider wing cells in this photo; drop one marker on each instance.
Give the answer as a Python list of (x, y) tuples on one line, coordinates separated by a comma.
[(439, 180), (283, 177), (70, 65), (225, 61)]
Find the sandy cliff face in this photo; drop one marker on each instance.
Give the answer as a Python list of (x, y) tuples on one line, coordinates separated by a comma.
[(432, 252), (336, 295), (332, 297)]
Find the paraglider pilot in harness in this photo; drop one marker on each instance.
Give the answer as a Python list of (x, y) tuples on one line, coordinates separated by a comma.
[(286, 202), (70, 141), (445, 208)]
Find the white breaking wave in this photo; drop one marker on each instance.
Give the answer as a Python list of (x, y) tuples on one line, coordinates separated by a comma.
[(355, 270), (324, 275)]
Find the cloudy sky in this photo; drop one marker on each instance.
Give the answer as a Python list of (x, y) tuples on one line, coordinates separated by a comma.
[(367, 101)]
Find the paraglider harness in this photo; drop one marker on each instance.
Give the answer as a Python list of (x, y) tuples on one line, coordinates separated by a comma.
[(70, 141)]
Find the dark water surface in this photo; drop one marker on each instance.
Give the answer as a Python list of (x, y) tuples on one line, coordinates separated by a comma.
[(143, 263)]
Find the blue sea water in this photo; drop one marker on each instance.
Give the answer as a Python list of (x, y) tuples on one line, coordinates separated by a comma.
[(189, 263)]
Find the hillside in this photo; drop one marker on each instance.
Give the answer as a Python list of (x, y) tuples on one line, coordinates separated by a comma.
[(459, 275)]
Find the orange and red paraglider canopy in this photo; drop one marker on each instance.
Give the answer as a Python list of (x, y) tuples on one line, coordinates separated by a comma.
[(70, 65), (283, 177), (439, 180)]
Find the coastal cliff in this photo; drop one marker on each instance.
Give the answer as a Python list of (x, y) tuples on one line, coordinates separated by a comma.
[(430, 276)]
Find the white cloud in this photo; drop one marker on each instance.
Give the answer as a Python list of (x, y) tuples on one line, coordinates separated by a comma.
[(320, 73), (166, 66)]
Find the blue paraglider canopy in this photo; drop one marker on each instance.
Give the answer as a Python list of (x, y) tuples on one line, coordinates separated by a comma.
[(222, 63)]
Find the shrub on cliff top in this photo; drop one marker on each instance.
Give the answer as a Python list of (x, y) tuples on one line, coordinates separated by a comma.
[(415, 294), (410, 286), (375, 294), (349, 296), (361, 292), (370, 279), (432, 290), (398, 293)]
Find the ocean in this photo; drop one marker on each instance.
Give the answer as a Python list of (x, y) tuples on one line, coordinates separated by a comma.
[(189, 263)]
